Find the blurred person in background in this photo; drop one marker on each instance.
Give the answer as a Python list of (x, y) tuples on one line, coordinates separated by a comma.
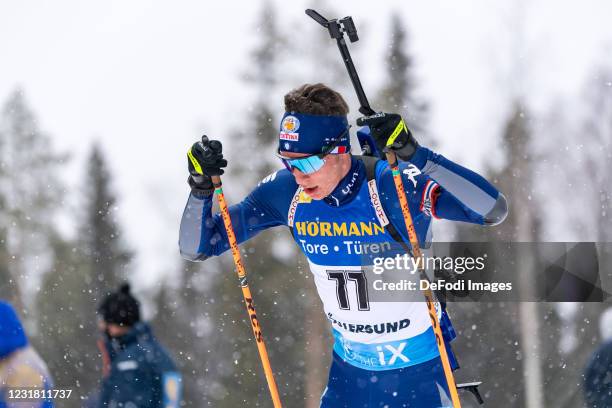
[(138, 372), (598, 373), (20, 365)]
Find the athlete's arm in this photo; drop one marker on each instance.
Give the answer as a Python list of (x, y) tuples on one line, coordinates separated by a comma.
[(203, 234), (426, 199), (390, 132), (470, 188)]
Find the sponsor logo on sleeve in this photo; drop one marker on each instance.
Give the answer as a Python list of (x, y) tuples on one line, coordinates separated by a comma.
[(375, 200), (411, 172), (268, 178), (293, 206)]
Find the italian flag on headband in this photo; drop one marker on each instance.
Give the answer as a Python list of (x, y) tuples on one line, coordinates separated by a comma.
[(339, 150)]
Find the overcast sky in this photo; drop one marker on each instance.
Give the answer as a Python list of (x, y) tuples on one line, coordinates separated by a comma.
[(146, 78)]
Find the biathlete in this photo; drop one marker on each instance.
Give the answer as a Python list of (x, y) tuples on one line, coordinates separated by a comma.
[(336, 204)]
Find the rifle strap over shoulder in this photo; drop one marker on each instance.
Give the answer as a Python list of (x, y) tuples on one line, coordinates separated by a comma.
[(370, 167)]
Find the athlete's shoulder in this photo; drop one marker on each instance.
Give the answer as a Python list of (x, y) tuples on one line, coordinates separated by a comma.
[(274, 193), (279, 183)]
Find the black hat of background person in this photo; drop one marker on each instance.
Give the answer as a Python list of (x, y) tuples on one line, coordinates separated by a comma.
[(120, 307)]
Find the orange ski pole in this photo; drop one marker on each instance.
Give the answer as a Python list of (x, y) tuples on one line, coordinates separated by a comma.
[(246, 292), (418, 254)]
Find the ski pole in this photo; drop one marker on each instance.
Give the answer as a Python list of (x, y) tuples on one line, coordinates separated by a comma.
[(429, 297), (336, 30), (246, 292)]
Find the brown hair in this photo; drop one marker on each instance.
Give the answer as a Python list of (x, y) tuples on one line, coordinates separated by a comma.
[(316, 99)]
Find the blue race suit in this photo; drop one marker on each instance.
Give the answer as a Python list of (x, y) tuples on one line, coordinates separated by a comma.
[(332, 233)]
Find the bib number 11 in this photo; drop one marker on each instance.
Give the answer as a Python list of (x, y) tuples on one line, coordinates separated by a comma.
[(342, 277)]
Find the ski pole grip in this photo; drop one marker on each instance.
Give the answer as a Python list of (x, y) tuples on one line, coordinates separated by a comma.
[(216, 180), (391, 158)]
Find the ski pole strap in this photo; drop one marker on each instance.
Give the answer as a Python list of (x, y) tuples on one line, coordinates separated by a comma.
[(369, 163)]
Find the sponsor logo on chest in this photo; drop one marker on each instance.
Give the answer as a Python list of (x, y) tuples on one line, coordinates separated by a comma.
[(337, 229)]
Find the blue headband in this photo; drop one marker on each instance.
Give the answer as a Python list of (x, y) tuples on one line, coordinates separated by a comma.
[(303, 133)]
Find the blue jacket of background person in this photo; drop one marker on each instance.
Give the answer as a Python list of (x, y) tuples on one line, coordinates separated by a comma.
[(20, 366), (142, 374), (598, 378)]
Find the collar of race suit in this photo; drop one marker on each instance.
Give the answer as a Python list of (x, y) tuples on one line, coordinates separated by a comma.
[(349, 186)]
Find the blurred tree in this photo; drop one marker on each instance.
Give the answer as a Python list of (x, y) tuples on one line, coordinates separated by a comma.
[(262, 79), (30, 194), (568, 332), (99, 235), (177, 324), (321, 53), (8, 287), (311, 56), (583, 182), (595, 143), (83, 272), (525, 225), (67, 331), (504, 335), (399, 92)]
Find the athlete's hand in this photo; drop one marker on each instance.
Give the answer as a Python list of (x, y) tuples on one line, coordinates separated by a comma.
[(390, 133), (204, 160)]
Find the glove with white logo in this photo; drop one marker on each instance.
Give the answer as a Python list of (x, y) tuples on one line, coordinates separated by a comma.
[(390, 133), (204, 160)]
